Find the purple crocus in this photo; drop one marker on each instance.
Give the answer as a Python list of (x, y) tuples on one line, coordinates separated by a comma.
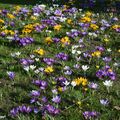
[(35, 93), (74, 33), (106, 72), (58, 12), (44, 99), (12, 24), (36, 82), (48, 22), (41, 83), (61, 80), (67, 70), (25, 109), (25, 41), (11, 75), (107, 59), (4, 12), (100, 48), (56, 99), (104, 102), (52, 110), (26, 61), (87, 115), (14, 111), (33, 100), (93, 85), (90, 114), (39, 28), (56, 40), (62, 56), (23, 11), (36, 110), (49, 61), (2, 34), (111, 75)]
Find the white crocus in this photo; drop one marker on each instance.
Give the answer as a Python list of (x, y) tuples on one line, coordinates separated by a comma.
[(62, 19), (48, 31), (85, 67), (108, 83), (15, 54), (66, 83), (32, 67), (116, 64), (37, 71), (73, 83), (36, 14), (75, 51), (94, 34), (42, 6), (37, 59), (32, 56), (3, 117), (78, 52), (109, 50), (18, 53), (12, 54), (26, 68), (90, 34), (10, 37)]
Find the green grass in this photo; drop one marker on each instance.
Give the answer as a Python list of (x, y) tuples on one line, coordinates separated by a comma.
[(14, 93)]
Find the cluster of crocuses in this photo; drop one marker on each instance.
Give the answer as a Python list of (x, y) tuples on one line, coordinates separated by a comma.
[(23, 41), (74, 47)]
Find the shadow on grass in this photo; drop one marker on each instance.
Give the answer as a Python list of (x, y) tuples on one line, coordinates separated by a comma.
[(8, 44), (19, 2), (25, 2)]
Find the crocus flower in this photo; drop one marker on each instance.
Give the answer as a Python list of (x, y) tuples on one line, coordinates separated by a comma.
[(108, 83), (58, 12), (107, 59), (35, 93), (43, 84), (49, 61), (44, 99), (90, 114), (36, 110), (52, 110), (56, 99), (11, 75), (62, 56), (14, 111), (93, 85), (85, 67), (33, 100), (104, 102), (25, 109)]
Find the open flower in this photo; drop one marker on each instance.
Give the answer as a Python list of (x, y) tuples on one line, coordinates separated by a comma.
[(56, 99), (104, 102), (48, 40), (49, 69), (108, 83), (11, 75), (40, 51), (35, 93), (57, 27), (85, 67)]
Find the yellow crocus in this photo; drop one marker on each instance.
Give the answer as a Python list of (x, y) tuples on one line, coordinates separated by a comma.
[(57, 27), (49, 69)]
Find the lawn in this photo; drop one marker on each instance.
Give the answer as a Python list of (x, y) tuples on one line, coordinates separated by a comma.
[(59, 62)]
